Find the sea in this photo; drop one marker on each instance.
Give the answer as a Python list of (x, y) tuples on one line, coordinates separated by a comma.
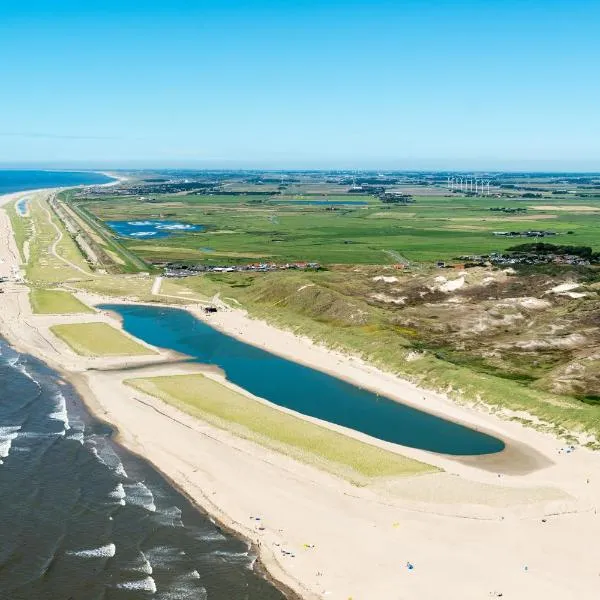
[(23, 180), (81, 518)]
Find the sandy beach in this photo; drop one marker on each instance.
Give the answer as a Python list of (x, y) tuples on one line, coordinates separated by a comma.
[(522, 523)]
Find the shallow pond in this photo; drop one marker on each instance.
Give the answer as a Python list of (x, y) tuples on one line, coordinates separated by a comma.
[(151, 228)]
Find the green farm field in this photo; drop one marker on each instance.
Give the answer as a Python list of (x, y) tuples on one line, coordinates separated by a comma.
[(240, 229)]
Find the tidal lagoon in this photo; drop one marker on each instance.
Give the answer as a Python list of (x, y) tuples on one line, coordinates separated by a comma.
[(301, 388)]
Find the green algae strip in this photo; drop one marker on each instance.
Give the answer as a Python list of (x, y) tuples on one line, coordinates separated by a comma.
[(319, 446), (55, 302), (98, 339)]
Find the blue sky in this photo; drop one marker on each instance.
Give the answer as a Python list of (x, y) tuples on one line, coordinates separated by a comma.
[(307, 84)]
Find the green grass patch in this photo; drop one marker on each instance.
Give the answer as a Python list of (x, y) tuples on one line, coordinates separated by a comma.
[(305, 441), (98, 339), (21, 227), (56, 302)]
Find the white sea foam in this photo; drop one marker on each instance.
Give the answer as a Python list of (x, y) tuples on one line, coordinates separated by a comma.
[(140, 223), (140, 495), (163, 556), (106, 551), (60, 410), (146, 585), (170, 517), (143, 234), (76, 434), (145, 567), (118, 494), (215, 536), (7, 434)]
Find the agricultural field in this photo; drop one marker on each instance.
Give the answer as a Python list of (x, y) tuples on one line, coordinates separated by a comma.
[(240, 229), (270, 427)]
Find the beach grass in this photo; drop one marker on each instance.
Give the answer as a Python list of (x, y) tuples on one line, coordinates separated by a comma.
[(55, 302), (98, 339), (228, 409)]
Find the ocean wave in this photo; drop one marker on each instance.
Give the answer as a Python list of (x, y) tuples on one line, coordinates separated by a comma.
[(163, 556), (140, 495), (107, 456), (106, 551), (143, 566), (145, 585), (185, 587)]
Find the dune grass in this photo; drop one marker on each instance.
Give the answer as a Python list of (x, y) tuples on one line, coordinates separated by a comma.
[(55, 302), (98, 339), (219, 405)]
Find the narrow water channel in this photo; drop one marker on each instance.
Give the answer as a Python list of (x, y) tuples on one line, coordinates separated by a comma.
[(301, 388)]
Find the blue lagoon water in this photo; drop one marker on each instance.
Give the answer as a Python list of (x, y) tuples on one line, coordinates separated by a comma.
[(151, 228), (23, 180), (301, 388)]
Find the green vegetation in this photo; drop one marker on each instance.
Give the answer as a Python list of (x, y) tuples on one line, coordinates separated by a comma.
[(55, 302), (98, 339), (241, 229), (270, 427), (543, 248), (21, 227)]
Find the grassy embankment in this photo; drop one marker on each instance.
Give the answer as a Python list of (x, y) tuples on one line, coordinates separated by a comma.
[(113, 255), (309, 304), (56, 302), (221, 406), (98, 339)]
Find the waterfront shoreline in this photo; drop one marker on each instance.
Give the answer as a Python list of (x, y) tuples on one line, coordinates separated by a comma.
[(233, 479)]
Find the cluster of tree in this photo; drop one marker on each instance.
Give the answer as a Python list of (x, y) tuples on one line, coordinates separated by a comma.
[(396, 198), (558, 250), (507, 209)]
